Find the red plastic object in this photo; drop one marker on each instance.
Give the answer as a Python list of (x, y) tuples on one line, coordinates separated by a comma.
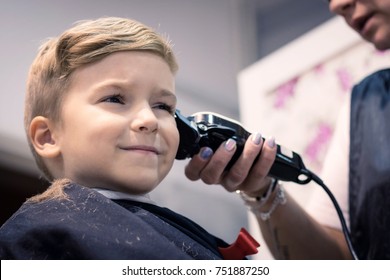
[(244, 245)]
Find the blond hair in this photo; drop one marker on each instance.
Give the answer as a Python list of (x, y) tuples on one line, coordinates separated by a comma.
[(87, 42)]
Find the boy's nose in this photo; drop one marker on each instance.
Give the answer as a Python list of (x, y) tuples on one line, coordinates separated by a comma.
[(145, 121), (341, 7)]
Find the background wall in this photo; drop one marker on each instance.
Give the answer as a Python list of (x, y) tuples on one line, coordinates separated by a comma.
[(214, 41)]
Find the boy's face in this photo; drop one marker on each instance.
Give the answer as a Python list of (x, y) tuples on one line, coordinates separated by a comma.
[(117, 127)]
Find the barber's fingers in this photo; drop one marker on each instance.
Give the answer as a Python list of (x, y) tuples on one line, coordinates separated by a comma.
[(260, 170), (210, 171), (249, 171), (198, 162), (240, 170)]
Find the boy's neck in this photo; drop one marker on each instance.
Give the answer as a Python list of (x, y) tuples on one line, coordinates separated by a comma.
[(145, 198)]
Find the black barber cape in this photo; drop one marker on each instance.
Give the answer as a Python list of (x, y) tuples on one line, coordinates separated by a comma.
[(88, 225), (369, 173)]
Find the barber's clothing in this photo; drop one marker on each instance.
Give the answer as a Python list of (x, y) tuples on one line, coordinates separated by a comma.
[(369, 176), (88, 225)]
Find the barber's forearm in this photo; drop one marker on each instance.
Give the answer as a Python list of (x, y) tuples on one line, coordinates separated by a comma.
[(291, 233)]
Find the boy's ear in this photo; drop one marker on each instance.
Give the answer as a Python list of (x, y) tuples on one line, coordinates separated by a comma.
[(42, 137)]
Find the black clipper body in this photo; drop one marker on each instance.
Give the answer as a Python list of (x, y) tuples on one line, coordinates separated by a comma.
[(209, 129)]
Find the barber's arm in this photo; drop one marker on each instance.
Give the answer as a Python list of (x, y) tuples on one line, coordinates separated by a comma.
[(289, 231)]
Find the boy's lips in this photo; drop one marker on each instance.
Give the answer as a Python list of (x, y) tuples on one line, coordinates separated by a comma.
[(141, 148)]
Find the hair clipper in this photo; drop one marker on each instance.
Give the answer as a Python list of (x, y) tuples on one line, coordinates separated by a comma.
[(209, 129)]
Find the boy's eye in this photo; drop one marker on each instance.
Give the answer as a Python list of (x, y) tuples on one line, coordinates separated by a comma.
[(166, 107), (114, 99)]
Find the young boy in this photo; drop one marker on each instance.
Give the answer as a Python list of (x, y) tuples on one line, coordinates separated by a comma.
[(100, 122)]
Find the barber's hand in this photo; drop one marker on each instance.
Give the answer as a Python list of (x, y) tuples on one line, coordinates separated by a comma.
[(242, 175)]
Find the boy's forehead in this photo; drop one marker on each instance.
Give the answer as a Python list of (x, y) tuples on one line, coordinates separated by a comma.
[(125, 59), (124, 67)]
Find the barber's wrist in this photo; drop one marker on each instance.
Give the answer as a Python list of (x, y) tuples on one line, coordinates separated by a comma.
[(263, 206), (259, 198), (278, 198), (267, 185)]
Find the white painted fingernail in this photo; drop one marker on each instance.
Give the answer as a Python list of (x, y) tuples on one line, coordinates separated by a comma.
[(230, 145)]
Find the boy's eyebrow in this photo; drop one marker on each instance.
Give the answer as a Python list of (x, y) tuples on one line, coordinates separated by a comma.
[(121, 84), (167, 93)]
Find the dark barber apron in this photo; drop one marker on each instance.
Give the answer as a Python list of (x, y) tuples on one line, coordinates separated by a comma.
[(369, 176)]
